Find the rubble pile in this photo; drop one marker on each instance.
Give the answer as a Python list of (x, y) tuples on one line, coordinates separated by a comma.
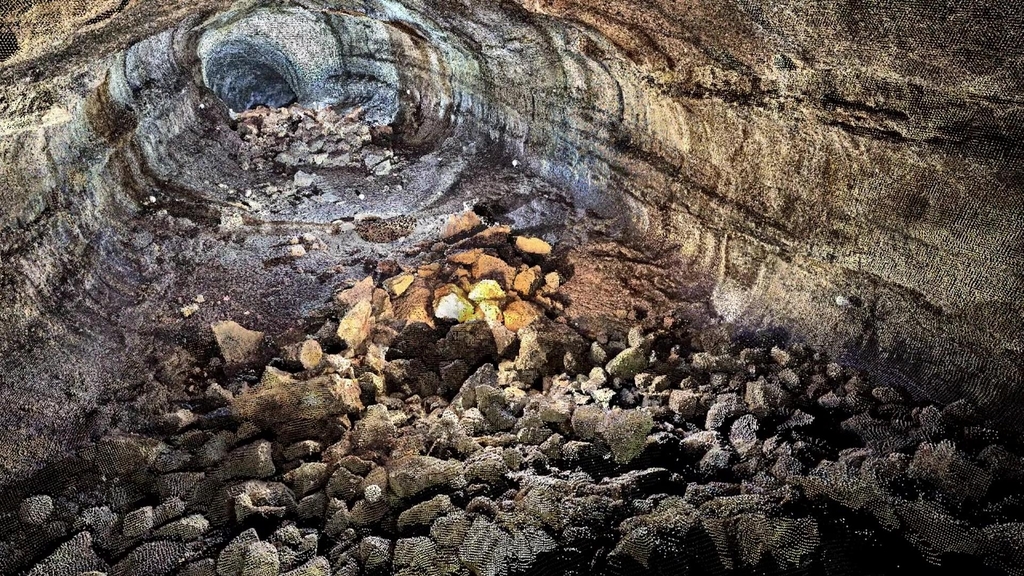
[(452, 420), (296, 137)]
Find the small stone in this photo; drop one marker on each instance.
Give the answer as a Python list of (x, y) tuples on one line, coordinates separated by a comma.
[(237, 344), (530, 245), (526, 282), (71, 558), (218, 395), (420, 473), (303, 179), (552, 281), (373, 493), (251, 461), (625, 432), (317, 566), (887, 395), (138, 522), (297, 251), (520, 314), (628, 363), (726, 406), (311, 355), (489, 267), (424, 513), (307, 477), (486, 290), (303, 449), (461, 223), (187, 529), (261, 559), (355, 327), (399, 284), (375, 552), (35, 510)]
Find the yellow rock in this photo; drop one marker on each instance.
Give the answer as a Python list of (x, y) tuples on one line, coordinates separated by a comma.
[(552, 281), (311, 355), (533, 245), (356, 326), (399, 284), (520, 314), (486, 290), (489, 310)]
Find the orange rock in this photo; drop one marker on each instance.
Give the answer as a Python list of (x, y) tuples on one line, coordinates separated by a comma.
[(489, 267), (356, 326), (533, 245), (362, 291), (415, 305), (466, 258), (526, 282), (461, 223), (520, 314)]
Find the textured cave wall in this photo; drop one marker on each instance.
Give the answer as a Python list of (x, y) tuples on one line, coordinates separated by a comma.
[(848, 170)]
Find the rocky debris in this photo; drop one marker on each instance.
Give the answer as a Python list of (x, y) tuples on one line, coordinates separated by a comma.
[(35, 510), (237, 345), (71, 558), (294, 136), (449, 419)]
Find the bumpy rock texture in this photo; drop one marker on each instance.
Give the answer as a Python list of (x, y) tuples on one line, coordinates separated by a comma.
[(847, 174)]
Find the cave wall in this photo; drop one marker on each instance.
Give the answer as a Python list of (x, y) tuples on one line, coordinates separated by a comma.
[(848, 170)]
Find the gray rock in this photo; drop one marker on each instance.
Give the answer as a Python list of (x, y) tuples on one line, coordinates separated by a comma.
[(317, 566), (204, 567), (686, 403), (424, 513), (260, 559), (138, 522), (743, 435), (152, 558), (765, 398), (625, 432), (168, 510), (307, 477), (345, 485), (232, 558), (485, 548), (70, 559), (35, 510), (187, 529), (178, 485), (450, 531), (586, 420), (312, 506), (250, 461), (946, 467), (726, 406), (628, 363), (303, 449), (375, 552), (420, 473)]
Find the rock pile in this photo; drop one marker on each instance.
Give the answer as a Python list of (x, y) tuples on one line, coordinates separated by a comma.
[(298, 137), (453, 421)]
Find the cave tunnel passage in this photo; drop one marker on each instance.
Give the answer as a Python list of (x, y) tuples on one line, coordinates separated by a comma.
[(244, 78)]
